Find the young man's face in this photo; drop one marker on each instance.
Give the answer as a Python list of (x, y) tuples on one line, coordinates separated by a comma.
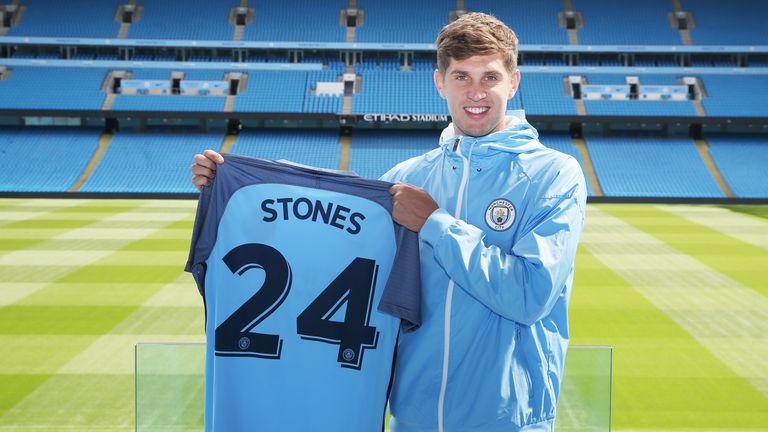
[(477, 90)]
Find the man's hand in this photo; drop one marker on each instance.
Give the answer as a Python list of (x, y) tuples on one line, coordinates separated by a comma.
[(204, 168), (411, 206)]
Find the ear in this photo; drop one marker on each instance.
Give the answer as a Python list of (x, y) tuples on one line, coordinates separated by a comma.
[(438, 77), (515, 83)]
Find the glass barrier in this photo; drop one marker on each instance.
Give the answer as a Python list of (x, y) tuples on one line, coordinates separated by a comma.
[(170, 388), (585, 395)]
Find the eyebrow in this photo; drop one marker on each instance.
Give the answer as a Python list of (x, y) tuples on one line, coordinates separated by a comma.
[(461, 72)]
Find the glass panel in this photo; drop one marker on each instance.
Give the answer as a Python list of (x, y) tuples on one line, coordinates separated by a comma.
[(170, 388), (585, 396)]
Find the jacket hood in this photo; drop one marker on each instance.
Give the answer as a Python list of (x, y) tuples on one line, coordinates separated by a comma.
[(518, 136)]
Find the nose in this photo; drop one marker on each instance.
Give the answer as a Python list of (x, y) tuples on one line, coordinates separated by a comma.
[(476, 94)]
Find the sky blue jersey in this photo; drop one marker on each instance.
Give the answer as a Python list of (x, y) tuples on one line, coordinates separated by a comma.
[(306, 281)]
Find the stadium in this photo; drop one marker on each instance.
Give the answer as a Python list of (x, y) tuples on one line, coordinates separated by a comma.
[(104, 104)]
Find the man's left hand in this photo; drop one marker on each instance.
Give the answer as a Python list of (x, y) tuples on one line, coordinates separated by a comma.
[(411, 206)]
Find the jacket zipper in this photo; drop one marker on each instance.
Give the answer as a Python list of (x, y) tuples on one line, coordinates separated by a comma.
[(449, 296)]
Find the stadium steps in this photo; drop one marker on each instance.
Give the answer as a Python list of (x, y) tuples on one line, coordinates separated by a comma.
[(123, 32), (238, 33), (699, 107), (18, 17), (703, 147), (581, 108), (685, 35), (229, 142), (109, 100), (229, 103), (346, 106), (588, 167), (345, 141), (104, 141), (573, 34)]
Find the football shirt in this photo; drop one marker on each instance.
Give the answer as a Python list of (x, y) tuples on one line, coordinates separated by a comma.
[(306, 282)]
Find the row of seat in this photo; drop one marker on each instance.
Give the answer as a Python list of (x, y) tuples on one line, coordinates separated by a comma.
[(602, 21), (52, 159), (381, 92)]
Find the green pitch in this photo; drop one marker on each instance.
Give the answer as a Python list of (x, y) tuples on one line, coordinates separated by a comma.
[(680, 292)]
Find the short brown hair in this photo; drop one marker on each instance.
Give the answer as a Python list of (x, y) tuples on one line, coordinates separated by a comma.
[(476, 34)]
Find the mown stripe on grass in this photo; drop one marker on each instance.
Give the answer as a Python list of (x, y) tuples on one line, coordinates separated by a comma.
[(90, 294), (182, 292), (743, 227), (728, 318), (66, 258), (14, 385), (736, 259), (105, 274), (60, 320), (88, 321), (186, 321), (663, 378), (150, 244), (11, 292), (114, 354), (75, 403), (760, 211), (39, 354)]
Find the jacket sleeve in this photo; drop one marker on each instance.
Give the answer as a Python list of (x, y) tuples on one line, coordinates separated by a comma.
[(524, 284)]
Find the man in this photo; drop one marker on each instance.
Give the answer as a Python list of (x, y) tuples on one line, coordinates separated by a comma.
[(499, 218)]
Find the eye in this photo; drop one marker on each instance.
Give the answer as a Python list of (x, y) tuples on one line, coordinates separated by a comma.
[(491, 78), (461, 77)]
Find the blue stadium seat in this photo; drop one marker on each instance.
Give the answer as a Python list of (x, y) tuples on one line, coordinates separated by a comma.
[(563, 143), (403, 21), (608, 22), (53, 88), (394, 91), (735, 96), (73, 18), (648, 166), (190, 19), (742, 160), (43, 159), (296, 21), (534, 22), (149, 162), (273, 91), (168, 103), (374, 152), (316, 147), (544, 94), (737, 22)]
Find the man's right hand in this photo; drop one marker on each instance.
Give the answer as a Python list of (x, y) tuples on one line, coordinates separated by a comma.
[(204, 168)]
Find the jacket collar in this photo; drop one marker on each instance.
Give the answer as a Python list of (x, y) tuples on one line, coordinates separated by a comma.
[(518, 136)]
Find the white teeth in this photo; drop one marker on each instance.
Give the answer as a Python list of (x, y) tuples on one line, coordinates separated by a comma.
[(477, 110)]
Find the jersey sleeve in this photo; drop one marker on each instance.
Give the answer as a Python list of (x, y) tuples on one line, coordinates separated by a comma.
[(402, 294), (202, 243)]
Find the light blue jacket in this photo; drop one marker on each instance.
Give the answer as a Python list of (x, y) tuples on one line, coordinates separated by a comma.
[(497, 269)]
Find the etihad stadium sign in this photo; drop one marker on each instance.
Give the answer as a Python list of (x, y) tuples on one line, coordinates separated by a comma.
[(405, 117)]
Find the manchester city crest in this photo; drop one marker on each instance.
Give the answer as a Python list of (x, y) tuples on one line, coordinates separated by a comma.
[(500, 215)]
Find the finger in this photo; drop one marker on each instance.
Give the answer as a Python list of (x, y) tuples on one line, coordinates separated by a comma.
[(205, 162), (199, 181), (214, 156), (200, 170)]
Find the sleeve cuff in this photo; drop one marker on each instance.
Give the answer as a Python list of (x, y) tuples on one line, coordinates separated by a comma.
[(435, 226)]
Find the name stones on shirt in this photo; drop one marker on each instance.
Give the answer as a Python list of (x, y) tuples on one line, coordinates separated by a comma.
[(302, 208)]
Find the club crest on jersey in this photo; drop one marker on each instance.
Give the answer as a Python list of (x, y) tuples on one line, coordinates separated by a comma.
[(500, 215)]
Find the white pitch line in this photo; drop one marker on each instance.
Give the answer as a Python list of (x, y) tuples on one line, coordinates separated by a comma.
[(726, 317)]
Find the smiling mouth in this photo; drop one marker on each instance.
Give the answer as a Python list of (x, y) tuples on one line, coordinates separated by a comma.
[(476, 110)]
